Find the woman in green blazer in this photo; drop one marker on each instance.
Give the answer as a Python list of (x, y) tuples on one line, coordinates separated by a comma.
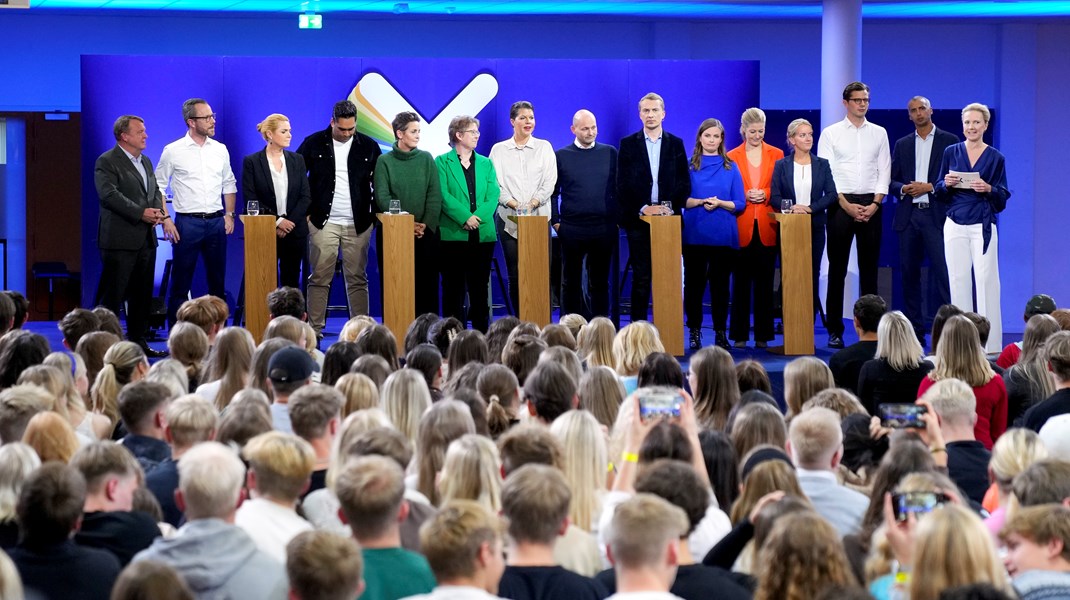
[(469, 198)]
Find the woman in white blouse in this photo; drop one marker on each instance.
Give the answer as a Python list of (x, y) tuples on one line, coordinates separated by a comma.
[(527, 172), (277, 179), (805, 180)]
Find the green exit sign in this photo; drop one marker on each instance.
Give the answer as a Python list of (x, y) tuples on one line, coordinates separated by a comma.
[(310, 22)]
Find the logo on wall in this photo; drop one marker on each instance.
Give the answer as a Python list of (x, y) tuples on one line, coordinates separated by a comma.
[(378, 101)]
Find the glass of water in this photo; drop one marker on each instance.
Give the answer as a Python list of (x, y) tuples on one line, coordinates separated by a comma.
[(786, 204), (666, 207), (252, 208), (395, 207), (521, 210)]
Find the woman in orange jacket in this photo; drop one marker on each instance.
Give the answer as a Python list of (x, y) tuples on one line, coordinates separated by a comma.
[(757, 234)]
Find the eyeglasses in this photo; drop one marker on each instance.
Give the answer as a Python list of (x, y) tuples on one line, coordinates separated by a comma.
[(471, 131), (859, 101), (207, 117)]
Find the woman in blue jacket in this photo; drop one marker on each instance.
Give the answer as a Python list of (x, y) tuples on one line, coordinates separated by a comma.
[(711, 236)]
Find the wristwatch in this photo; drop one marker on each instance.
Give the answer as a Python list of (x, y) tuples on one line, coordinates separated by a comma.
[(229, 214)]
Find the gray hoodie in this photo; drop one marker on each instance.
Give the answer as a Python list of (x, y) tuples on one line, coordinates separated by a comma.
[(219, 561)]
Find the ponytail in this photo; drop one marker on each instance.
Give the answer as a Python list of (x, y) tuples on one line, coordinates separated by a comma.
[(105, 393), (498, 421)]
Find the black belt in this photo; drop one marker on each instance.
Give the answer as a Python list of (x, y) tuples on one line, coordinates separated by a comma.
[(921, 205), (213, 215), (861, 199)]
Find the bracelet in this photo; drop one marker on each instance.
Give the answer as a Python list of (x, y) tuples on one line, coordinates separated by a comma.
[(938, 450), (165, 216), (629, 457)]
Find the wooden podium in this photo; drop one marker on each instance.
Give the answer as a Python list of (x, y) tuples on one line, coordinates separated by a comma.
[(399, 274), (261, 271), (666, 283), (797, 283), (533, 266)]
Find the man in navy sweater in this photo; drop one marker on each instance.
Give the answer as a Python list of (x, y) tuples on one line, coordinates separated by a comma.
[(584, 217)]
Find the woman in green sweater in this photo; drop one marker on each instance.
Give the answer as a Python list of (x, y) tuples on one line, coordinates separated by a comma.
[(469, 198), (408, 175)]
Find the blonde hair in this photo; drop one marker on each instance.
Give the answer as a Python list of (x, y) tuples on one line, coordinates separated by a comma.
[(17, 462), (210, 476), (170, 373), (897, 343), (601, 392), (120, 361), (652, 96), (838, 400), (51, 436), (574, 322), (231, 363), (535, 501), (10, 582), (359, 391), (633, 344), (473, 471), (282, 463), (815, 437), (586, 464), (446, 421), (959, 354), (641, 528), (191, 419), (354, 426), (354, 327), (311, 342), (287, 328), (953, 401), (794, 126), (1013, 453), (802, 556), (371, 490), (804, 377), (188, 344), (55, 382), (953, 547), (751, 116), (270, 124), (765, 478), (981, 108), (405, 398), (594, 343), (452, 539)]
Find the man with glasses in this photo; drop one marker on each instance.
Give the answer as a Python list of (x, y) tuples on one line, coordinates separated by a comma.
[(861, 164), (197, 169), (584, 216), (340, 162)]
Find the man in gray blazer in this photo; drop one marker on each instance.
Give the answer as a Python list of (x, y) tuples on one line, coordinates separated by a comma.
[(815, 443), (130, 208)]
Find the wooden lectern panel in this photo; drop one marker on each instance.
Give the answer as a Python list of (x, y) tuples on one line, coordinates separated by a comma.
[(796, 281), (533, 265), (666, 283), (399, 274), (261, 271)]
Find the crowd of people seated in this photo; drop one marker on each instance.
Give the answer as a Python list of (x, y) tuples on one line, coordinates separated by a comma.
[(571, 461)]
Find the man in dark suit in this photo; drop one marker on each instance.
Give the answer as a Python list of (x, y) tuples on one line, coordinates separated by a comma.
[(131, 206), (340, 216), (651, 168), (919, 219)]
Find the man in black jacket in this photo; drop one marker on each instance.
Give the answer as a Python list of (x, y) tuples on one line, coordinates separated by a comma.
[(651, 169), (340, 215)]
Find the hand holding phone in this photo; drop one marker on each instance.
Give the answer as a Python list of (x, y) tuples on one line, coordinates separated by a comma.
[(902, 416)]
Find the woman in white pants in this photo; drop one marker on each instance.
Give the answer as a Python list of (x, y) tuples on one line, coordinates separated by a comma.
[(974, 183)]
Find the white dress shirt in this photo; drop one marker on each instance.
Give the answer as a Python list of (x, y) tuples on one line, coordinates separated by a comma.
[(859, 156), (923, 152), (804, 183), (198, 175), (280, 181), (524, 173)]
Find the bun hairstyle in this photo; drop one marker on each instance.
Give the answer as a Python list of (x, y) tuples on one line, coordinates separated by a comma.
[(270, 124)]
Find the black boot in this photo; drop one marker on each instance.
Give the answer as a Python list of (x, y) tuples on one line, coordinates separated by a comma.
[(696, 339), (722, 340)]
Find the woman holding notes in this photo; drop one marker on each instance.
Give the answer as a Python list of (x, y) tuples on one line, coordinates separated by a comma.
[(974, 183)]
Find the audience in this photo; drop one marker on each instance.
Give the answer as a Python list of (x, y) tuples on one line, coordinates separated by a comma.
[(289, 370), (316, 415), (1058, 352), (324, 566), (1028, 380), (1040, 304), (967, 459), (17, 462), (148, 579), (1037, 556), (894, 375), (229, 367), (75, 325), (847, 363), (143, 406), (804, 377), (405, 397), (464, 547), (51, 437), (190, 421), (594, 343), (18, 405), (816, 446), (644, 547)]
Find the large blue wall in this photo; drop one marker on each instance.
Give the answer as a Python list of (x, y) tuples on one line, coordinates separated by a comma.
[(1017, 67)]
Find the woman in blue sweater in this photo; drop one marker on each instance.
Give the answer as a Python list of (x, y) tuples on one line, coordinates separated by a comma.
[(711, 236)]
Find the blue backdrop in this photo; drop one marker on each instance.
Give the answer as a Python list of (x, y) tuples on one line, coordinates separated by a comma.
[(243, 90)]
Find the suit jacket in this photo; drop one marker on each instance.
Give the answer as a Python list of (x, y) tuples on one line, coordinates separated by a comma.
[(257, 185), (318, 152), (822, 189), (123, 200), (455, 203), (903, 167), (841, 506), (763, 213), (634, 180)]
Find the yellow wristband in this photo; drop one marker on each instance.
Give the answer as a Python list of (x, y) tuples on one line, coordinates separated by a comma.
[(937, 450), (629, 457)]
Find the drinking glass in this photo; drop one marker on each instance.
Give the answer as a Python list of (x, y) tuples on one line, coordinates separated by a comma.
[(667, 207), (786, 204), (252, 208), (395, 207)]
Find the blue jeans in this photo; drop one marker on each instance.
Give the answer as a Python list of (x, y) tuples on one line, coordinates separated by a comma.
[(197, 237)]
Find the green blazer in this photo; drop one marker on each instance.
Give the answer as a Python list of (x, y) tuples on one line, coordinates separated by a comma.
[(455, 204)]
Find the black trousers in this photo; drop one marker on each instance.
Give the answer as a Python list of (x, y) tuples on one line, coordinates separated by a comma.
[(425, 255), (599, 254), (922, 238), (754, 273), (639, 257), (466, 272), (842, 229), (128, 275), (290, 252), (707, 265)]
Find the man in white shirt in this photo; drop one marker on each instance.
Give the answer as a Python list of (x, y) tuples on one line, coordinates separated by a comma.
[(197, 169), (815, 443), (340, 162), (280, 465), (857, 151), (644, 547)]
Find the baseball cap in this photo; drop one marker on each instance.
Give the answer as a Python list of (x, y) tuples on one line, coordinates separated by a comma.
[(291, 364), (1041, 304)]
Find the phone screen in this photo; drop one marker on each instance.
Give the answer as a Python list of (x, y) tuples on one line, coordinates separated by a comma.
[(902, 416), (655, 404)]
